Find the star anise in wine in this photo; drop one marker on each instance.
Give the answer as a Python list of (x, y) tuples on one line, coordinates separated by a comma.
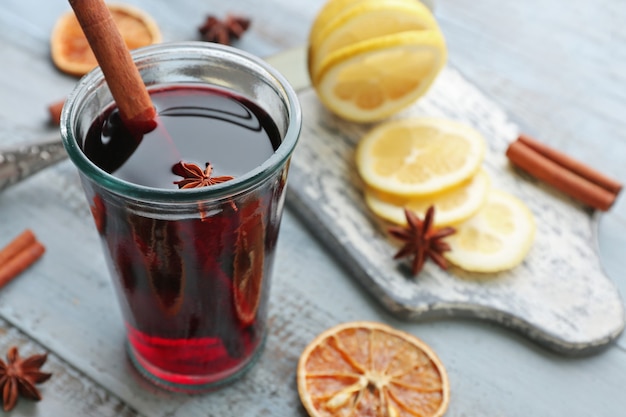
[(18, 376), (223, 31), (195, 177), (422, 240)]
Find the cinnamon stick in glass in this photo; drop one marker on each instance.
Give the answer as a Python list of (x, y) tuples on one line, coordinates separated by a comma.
[(121, 73)]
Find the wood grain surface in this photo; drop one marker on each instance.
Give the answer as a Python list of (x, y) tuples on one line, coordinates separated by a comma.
[(558, 68), (559, 296)]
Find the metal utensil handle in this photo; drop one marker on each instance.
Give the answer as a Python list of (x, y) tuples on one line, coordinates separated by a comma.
[(23, 161)]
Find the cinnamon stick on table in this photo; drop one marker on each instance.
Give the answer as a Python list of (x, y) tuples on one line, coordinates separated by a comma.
[(18, 255), (54, 110), (564, 173), (113, 56)]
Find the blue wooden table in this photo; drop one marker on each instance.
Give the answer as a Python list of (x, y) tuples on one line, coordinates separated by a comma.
[(557, 68)]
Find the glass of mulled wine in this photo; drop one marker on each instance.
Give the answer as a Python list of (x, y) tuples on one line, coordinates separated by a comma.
[(191, 265)]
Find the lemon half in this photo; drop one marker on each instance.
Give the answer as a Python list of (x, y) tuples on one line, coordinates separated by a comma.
[(363, 20), (369, 59)]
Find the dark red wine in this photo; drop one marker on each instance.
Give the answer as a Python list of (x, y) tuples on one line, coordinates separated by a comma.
[(195, 124), (190, 288)]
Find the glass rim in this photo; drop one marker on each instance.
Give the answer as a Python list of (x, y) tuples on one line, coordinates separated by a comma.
[(174, 51)]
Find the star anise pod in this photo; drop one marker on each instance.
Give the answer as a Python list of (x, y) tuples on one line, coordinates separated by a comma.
[(422, 240), (18, 376), (223, 31), (195, 177)]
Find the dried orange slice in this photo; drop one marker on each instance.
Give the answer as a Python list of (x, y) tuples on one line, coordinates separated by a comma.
[(371, 369), (248, 264), (69, 47)]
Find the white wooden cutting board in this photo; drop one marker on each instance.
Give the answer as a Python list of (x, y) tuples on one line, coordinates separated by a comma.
[(560, 297)]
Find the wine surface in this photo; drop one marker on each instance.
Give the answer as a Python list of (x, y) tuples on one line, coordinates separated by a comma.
[(194, 124)]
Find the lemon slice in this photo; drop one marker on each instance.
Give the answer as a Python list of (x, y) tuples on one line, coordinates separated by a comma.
[(497, 238), (419, 156), (367, 19), (333, 8), (328, 12), (376, 78), (453, 206)]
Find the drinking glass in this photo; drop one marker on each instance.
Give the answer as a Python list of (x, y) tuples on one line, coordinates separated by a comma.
[(191, 268)]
